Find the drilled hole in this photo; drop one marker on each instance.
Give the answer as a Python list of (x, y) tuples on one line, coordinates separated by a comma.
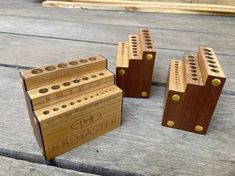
[(76, 81), (91, 96), (193, 67), (147, 40), (195, 79), (193, 74), (144, 30), (46, 112), (43, 90), (135, 43), (101, 74), (190, 56), (194, 71), (192, 63), (148, 43), (134, 40), (79, 101), (134, 48), (73, 63), (192, 60), (55, 87), (93, 76), (94, 58), (133, 37), (85, 78), (62, 65), (149, 47), (72, 103), (83, 60), (213, 66), (135, 52), (215, 70), (209, 57), (85, 98), (210, 61), (207, 50), (55, 109), (66, 83), (64, 106), (207, 53), (50, 68), (135, 55), (37, 71)]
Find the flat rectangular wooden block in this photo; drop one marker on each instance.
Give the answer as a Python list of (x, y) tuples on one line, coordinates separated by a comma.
[(194, 87), (71, 105), (70, 123)]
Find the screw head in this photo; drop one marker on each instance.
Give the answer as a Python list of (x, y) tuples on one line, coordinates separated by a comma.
[(144, 94), (121, 72), (198, 128), (215, 82), (170, 123), (175, 97), (149, 56)]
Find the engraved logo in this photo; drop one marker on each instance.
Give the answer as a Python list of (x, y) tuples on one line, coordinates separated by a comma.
[(86, 121)]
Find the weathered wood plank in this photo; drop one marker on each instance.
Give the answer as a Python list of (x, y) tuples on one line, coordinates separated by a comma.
[(13, 167), (209, 24), (49, 51), (174, 40), (141, 145)]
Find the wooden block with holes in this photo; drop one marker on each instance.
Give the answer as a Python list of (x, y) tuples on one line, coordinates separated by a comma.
[(135, 63), (71, 103), (194, 88)]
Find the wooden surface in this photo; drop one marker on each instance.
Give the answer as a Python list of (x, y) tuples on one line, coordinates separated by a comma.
[(145, 6), (33, 36)]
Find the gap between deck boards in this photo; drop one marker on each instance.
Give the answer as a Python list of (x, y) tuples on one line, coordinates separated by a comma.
[(167, 29), (64, 164)]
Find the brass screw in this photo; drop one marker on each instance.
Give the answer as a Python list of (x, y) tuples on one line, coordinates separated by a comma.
[(121, 72), (170, 123), (149, 56), (215, 82), (144, 94), (198, 128), (175, 98)]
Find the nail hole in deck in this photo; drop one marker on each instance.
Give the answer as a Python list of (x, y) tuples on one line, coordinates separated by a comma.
[(62, 65), (37, 71), (66, 83), (73, 63), (55, 87), (43, 90), (50, 68)]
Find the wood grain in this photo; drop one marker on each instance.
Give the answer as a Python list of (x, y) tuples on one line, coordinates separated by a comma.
[(157, 149)]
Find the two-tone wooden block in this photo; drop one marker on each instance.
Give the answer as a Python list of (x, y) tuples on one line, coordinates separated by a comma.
[(71, 103), (135, 63), (194, 87)]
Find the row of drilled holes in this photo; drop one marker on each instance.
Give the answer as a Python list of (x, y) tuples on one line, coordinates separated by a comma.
[(147, 39), (75, 102), (62, 65), (123, 45), (76, 81), (210, 60), (193, 67), (134, 45), (177, 74)]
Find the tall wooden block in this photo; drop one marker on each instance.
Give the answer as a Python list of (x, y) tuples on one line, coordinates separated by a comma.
[(71, 103), (135, 63), (194, 87)]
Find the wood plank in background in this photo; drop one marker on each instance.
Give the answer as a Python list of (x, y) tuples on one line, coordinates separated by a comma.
[(194, 23), (141, 145)]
